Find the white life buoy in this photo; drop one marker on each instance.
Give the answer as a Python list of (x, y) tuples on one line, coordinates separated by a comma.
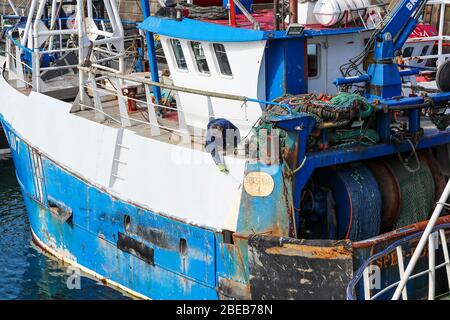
[(330, 12)]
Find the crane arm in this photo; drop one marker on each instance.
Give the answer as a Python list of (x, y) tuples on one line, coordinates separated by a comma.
[(383, 77), (402, 21)]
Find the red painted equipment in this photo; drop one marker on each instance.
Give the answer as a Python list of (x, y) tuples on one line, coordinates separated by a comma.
[(130, 92)]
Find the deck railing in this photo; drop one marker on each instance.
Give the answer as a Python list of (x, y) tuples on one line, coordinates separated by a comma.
[(431, 236), (93, 84), (29, 71), (440, 39), (23, 70)]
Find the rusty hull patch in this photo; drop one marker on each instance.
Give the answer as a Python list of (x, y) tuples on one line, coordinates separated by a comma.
[(229, 289), (288, 268), (313, 252)]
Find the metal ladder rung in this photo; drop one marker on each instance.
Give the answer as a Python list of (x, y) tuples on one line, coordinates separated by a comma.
[(119, 161), (117, 177)]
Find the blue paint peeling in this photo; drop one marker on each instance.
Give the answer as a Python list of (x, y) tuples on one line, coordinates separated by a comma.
[(91, 237)]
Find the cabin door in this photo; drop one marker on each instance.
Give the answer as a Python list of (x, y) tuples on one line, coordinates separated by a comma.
[(325, 56)]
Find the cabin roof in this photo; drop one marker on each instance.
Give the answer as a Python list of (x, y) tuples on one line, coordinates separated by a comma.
[(220, 31)]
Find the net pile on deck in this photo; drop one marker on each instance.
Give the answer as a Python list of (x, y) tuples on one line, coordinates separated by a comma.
[(339, 112), (193, 11)]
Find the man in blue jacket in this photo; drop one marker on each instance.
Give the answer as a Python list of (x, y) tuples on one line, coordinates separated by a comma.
[(221, 137)]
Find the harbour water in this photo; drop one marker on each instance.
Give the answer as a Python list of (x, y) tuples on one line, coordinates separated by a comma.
[(25, 271)]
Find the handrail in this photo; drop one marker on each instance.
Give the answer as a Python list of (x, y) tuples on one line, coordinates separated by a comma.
[(360, 272), (405, 275), (162, 85), (420, 246), (180, 89), (105, 90)]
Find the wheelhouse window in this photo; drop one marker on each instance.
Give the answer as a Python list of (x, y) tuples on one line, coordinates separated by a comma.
[(178, 53), (200, 58), (222, 59), (408, 52), (313, 60), (423, 53)]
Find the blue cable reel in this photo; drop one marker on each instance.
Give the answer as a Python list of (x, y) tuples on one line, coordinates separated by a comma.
[(357, 202), (359, 209)]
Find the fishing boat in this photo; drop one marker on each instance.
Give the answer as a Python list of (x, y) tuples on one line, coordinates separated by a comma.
[(272, 155)]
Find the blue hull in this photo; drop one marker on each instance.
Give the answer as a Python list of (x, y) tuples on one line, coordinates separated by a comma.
[(142, 252), (153, 256)]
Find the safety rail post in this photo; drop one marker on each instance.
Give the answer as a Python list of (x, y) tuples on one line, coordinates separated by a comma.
[(60, 36), (52, 22), (124, 119), (28, 24), (441, 32), (151, 109), (8, 53), (19, 68), (401, 269), (446, 255), (97, 100), (35, 56), (432, 265), (81, 50), (366, 280), (36, 70), (36, 47), (182, 125), (422, 242)]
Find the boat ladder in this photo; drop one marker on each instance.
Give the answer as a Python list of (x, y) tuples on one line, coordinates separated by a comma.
[(117, 160), (430, 237)]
